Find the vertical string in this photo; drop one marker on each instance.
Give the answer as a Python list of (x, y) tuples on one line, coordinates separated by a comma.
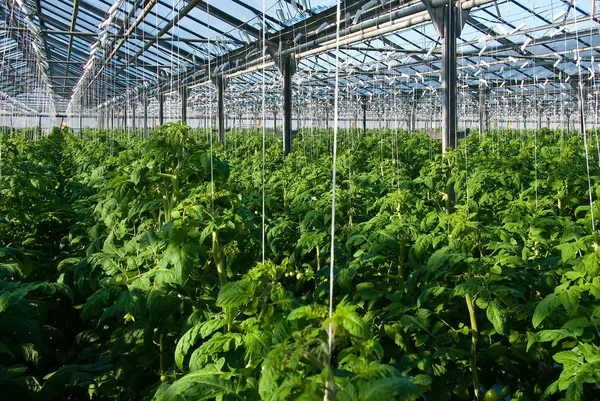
[(333, 183), (264, 130), (535, 161), (209, 127), (582, 117)]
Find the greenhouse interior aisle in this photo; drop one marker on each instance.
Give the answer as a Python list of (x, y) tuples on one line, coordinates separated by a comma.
[(299, 200)]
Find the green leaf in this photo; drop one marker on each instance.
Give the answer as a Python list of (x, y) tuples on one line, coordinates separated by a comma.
[(422, 380), (388, 389), (72, 375), (4, 301), (308, 312), (20, 257), (548, 335), (234, 294), (496, 316), (575, 391), (210, 326), (544, 308), (570, 299), (68, 262), (94, 305), (568, 250), (444, 256), (350, 321), (567, 357), (5, 350), (184, 344), (190, 337), (429, 294), (594, 288), (198, 386), (181, 258), (7, 373)]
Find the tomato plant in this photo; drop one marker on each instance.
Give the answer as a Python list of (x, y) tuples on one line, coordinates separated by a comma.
[(132, 268)]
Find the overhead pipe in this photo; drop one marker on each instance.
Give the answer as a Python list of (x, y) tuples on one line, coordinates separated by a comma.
[(384, 23), (402, 18)]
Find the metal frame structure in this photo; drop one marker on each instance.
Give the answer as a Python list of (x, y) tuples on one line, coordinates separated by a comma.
[(398, 58)]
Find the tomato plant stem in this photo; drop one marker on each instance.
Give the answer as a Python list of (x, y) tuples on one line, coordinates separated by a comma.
[(474, 338), (218, 258), (162, 354)]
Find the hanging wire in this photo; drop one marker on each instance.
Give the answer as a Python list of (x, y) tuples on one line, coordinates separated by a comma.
[(330, 333), (582, 119), (464, 109), (209, 123), (264, 130)]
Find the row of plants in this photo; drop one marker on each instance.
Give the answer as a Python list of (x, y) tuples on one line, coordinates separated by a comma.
[(135, 268)]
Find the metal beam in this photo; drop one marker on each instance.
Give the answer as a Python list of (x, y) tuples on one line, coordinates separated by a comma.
[(137, 36), (72, 28), (226, 17), (481, 111), (286, 70), (161, 109), (363, 104), (133, 115), (183, 94), (220, 84), (114, 51), (182, 13), (580, 104), (145, 110)]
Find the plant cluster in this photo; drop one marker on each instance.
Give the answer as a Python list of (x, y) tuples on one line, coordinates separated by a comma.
[(140, 269)]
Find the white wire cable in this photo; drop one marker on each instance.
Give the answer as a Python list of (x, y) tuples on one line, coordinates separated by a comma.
[(333, 182), (209, 123), (583, 122), (264, 132)]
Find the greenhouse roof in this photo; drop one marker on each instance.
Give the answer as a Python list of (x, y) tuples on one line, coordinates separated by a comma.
[(88, 53)]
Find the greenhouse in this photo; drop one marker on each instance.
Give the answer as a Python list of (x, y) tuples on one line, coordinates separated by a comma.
[(360, 200)]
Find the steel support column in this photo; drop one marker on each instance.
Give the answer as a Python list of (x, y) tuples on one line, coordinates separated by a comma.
[(133, 116), (220, 84), (581, 107), (161, 110), (125, 115), (145, 111), (363, 104), (286, 71), (448, 21), (183, 94), (412, 118), (482, 116), (449, 81)]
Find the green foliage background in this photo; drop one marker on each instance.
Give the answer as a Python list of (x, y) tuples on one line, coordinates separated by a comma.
[(132, 269)]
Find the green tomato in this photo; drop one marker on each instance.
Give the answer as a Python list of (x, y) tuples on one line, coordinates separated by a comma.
[(491, 395), (505, 391)]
